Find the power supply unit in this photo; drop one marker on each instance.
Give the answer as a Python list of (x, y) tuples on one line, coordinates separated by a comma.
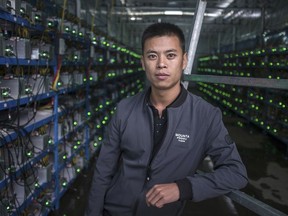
[(13, 157), (26, 10), (6, 206), (17, 192), (13, 6), (18, 86), (44, 174), (18, 47), (39, 84), (40, 142), (93, 76), (66, 78), (68, 173), (37, 17), (78, 78), (79, 162), (41, 51), (4, 93)]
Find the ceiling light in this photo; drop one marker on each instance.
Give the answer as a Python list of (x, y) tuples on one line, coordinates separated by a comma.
[(135, 18), (212, 14), (179, 13)]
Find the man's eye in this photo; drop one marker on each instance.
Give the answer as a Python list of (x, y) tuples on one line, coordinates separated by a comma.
[(171, 55), (152, 56)]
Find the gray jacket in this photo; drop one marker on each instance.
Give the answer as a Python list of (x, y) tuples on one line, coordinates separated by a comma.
[(195, 130)]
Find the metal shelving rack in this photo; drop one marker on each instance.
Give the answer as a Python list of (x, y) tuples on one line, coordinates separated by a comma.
[(86, 78), (251, 83)]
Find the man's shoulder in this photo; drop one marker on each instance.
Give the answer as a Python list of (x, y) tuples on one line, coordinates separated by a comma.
[(132, 100)]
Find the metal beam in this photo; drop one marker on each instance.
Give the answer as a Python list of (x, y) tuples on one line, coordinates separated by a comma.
[(194, 38), (240, 81), (189, 9), (253, 204)]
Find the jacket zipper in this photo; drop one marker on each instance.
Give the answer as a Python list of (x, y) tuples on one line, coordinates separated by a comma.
[(153, 153)]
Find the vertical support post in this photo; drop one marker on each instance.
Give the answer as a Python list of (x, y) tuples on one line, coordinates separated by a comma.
[(219, 43), (201, 6), (55, 147), (234, 38)]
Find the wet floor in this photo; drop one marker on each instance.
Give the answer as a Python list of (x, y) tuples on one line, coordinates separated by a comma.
[(266, 165)]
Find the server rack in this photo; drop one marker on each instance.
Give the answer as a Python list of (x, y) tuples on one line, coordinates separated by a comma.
[(60, 82), (260, 94)]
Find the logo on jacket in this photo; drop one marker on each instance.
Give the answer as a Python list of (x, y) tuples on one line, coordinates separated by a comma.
[(182, 137)]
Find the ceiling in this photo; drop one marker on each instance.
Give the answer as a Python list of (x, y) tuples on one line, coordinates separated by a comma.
[(125, 20)]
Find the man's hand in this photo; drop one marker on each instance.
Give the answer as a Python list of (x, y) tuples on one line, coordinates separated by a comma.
[(161, 194)]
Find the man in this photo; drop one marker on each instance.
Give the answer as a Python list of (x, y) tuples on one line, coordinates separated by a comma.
[(158, 138)]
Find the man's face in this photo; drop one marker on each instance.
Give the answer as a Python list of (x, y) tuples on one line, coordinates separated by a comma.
[(163, 61)]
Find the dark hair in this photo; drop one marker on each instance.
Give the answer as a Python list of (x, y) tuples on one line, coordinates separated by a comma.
[(163, 29)]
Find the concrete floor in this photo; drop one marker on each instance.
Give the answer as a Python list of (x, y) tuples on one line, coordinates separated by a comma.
[(267, 170)]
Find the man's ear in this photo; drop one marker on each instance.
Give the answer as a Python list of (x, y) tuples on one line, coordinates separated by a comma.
[(142, 62), (185, 60)]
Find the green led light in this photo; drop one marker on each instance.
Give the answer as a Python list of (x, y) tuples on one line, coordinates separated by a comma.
[(78, 170), (78, 142), (64, 184), (75, 147), (100, 138), (75, 123), (89, 113), (95, 144)]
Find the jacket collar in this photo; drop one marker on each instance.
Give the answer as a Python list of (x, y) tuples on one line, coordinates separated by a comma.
[(176, 103)]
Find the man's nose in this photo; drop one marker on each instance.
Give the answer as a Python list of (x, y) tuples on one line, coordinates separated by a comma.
[(161, 62)]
